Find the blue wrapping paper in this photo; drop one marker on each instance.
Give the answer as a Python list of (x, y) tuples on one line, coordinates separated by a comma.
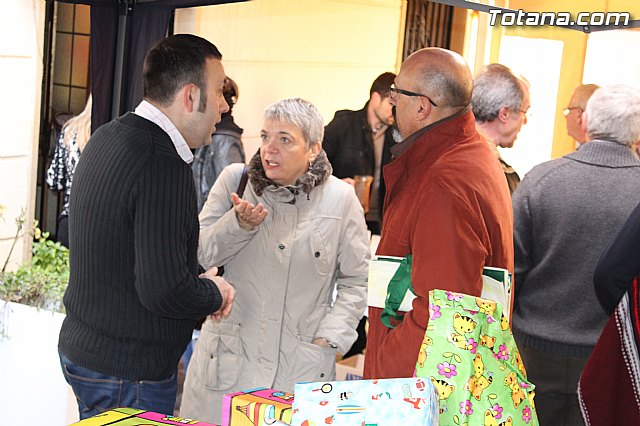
[(409, 401)]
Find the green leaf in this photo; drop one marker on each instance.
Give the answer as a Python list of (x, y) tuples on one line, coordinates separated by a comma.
[(492, 396), (457, 358), (448, 354), (456, 419), (41, 283)]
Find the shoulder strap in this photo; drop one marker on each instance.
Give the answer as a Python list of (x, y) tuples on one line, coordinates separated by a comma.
[(240, 191), (243, 181)]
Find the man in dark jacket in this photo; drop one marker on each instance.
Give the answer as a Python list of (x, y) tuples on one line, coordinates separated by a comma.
[(358, 143)]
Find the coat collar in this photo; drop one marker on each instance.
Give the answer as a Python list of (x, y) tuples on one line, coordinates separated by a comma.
[(605, 153), (317, 174), (434, 139)]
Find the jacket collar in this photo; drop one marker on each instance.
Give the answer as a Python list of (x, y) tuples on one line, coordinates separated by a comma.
[(605, 153), (435, 138), (505, 166), (400, 148), (317, 174), (227, 125)]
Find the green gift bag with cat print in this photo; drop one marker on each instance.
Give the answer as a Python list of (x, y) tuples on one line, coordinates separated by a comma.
[(470, 355)]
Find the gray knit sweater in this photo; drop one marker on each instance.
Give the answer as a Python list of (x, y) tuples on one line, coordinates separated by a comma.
[(565, 212)]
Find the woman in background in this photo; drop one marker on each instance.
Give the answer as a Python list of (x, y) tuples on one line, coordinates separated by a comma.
[(73, 138), (298, 235), (225, 148)]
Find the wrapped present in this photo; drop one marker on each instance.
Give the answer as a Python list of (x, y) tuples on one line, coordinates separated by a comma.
[(133, 417), (108, 417), (470, 356), (409, 401), (256, 407)]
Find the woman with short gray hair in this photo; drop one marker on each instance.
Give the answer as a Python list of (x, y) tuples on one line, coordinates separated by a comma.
[(297, 235)]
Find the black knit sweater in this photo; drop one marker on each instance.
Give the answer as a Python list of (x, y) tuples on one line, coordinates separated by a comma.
[(134, 292)]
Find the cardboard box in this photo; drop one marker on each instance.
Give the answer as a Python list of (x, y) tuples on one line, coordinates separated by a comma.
[(350, 368), (256, 407)]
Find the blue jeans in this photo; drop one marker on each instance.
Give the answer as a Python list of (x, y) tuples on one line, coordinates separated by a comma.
[(186, 357), (96, 392)]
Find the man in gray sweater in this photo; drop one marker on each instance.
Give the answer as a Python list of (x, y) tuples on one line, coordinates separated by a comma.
[(565, 212)]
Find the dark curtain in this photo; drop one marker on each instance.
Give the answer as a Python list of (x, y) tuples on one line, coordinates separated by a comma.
[(147, 23), (146, 26)]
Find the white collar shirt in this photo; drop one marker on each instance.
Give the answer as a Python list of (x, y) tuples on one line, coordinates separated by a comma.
[(153, 114)]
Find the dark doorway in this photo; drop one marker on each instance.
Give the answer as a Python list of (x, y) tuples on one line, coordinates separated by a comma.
[(428, 25), (65, 89)]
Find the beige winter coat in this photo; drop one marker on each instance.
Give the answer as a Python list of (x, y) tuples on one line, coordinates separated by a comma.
[(284, 272)]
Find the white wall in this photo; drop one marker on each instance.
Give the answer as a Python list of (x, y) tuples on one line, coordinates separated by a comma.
[(21, 50), (327, 51), (539, 61), (612, 58)]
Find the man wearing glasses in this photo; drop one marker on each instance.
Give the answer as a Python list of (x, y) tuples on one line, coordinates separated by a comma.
[(501, 105), (573, 113), (447, 202)]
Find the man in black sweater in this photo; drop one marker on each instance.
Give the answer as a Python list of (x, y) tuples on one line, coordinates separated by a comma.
[(358, 143), (134, 292)]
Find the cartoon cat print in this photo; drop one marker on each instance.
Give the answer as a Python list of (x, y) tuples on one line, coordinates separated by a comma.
[(490, 420), (478, 382), (517, 395)]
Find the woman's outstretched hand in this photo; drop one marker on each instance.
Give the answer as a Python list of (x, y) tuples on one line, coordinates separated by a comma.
[(248, 215)]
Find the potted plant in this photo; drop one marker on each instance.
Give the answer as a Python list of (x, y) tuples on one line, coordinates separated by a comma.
[(41, 282), (31, 313)]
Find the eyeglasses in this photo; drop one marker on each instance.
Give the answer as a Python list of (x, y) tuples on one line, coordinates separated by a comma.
[(568, 110), (394, 92), (526, 113)]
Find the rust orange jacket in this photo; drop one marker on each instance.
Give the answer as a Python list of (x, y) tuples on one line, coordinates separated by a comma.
[(447, 204)]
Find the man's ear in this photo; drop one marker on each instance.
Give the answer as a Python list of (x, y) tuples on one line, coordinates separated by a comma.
[(375, 98), (504, 113), (583, 122), (424, 109), (190, 95)]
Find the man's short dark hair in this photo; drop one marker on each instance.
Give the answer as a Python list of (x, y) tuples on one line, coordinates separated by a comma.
[(173, 62), (382, 84)]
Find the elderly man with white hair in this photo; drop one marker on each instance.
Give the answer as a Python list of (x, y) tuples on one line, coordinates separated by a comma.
[(565, 212)]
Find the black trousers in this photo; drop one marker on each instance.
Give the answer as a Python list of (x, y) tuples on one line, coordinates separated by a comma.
[(361, 341), (62, 235), (556, 379)]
